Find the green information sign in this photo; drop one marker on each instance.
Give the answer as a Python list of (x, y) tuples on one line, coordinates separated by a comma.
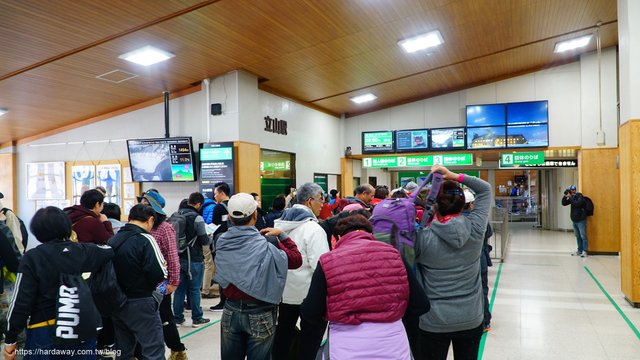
[(212, 154), (275, 165), (521, 159), (418, 161)]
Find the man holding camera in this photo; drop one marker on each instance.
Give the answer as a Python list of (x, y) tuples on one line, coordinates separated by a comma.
[(578, 217)]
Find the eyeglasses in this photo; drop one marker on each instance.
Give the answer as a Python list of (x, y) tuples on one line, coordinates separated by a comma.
[(321, 200)]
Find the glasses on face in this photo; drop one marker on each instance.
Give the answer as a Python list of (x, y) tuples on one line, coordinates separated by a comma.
[(320, 200)]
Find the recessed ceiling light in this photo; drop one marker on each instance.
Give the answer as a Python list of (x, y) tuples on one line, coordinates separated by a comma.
[(572, 44), (421, 42), (147, 55), (363, 98), (3, 111)]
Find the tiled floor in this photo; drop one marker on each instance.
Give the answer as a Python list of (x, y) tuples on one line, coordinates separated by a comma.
[(546, 306)]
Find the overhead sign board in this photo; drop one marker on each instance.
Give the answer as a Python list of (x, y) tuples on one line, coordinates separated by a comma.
[(516, 159), (275, 165), (418, 161)]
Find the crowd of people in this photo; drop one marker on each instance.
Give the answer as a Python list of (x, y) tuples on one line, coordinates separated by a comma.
[(314, 259)]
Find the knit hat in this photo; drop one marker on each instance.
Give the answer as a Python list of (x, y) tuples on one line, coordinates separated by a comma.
[(411, 186)]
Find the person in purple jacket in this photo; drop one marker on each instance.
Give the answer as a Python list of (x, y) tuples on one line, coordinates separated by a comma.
[(365, 314)]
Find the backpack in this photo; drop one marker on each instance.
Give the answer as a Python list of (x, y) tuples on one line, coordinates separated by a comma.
[(183, 223), (394, 220), (23, 228), (77, 318), (588, 206), (9, 256)]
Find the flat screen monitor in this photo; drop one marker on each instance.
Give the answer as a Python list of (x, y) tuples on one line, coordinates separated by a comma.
[(486, 115), (533, 135), (412, 140), (489, 137), (447, 138), (532, 112), (162, 159), (377, 142)]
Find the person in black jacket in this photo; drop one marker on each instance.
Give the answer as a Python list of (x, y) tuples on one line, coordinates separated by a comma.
[(34, 302), (139, 267), (578, 217)]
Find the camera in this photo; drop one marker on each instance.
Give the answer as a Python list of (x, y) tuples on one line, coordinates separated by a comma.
[(566, 192)]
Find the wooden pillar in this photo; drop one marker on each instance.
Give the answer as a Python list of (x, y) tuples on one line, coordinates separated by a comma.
[(8, 184), (247, 167), (599, 179), (346, 180), (629, 204)]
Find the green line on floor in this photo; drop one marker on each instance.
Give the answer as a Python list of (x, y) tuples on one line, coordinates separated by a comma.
[(615, 305), (493, 298), (200, 329)]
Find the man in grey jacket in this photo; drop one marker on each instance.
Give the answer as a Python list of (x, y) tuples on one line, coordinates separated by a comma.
[(448, 267)]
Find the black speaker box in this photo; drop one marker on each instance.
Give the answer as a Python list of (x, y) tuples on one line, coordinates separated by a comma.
[(216, 109)]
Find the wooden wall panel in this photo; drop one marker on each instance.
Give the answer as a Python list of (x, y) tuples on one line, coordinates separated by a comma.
[(346, 180), (629, 205), (8, 177), (247, 167), (599, 179)]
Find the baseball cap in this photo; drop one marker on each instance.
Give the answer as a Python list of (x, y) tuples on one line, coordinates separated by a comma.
[(468, 196), (156, 201), (571, 187), (241, 205)]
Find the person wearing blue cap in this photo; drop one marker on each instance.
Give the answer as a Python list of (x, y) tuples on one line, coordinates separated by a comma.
[(578, 217)]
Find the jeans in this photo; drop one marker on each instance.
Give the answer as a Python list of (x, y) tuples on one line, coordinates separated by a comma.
[(247, 329), (466, 343), (580, 231), (42, 339), (188, 285)]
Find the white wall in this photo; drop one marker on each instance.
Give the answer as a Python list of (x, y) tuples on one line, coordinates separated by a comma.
[(570, 89)]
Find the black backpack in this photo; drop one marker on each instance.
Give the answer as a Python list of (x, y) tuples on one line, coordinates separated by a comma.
[(183, 223), (105, 290), (77, 318), (588, 206), (23, 228)]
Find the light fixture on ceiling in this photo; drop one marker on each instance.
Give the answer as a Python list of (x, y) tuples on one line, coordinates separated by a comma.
[(3, 111), (572, 44), (147, 55), (421, 42), (363, 98)]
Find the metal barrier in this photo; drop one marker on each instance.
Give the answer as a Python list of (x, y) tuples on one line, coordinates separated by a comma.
[(501, 236)]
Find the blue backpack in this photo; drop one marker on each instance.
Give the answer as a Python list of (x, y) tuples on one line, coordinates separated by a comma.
[(394, 220)]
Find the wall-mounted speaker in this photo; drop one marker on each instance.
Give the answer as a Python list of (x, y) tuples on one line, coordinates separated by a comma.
[(216, 109)]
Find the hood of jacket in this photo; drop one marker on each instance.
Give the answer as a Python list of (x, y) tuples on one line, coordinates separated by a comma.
[(295, 217), (77, 212), (455, 232)]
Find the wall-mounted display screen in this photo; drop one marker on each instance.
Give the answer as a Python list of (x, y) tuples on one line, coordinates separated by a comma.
[(377, 142), (448, 138), (486, 137), (486, 115), (412, 140), (534, 135), (532, 112), (162, 159), (216, 165)]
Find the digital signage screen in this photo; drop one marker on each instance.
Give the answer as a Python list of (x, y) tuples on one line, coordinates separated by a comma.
[(216, 165), (532, 112), (489, 137), (533, 135), (377, 142), (486, 115), (412, 140), (162, 159), (447, 138)]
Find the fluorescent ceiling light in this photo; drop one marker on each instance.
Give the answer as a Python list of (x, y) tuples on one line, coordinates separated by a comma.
[(422, 42), (363, 98), (147, 55), (3, 111), (572, 44)]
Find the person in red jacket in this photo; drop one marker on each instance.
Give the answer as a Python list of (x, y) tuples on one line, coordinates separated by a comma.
[(365, 314), (327, 209), (88, 222)]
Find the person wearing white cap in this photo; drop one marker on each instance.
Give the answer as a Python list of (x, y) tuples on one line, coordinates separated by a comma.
[(485, 258), (252, 273)]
